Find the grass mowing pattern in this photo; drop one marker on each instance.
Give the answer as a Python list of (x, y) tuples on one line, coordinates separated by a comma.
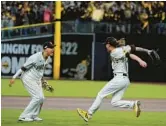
[(85, 89), (101, 118)]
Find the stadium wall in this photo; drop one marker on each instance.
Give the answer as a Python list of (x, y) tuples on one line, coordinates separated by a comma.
[(151, 73), (84, 57)]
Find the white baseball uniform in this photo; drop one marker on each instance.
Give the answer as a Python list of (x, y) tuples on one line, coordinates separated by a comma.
[(31, 78), (118, 84)]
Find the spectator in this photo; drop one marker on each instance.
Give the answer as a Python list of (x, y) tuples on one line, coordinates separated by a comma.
[(118, 11), (47, 15), (4, 22), (10, 24), (140, 14), (25, 21)]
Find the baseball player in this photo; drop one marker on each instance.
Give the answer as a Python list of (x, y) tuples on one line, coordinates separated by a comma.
[(31, 75), (120, 81)]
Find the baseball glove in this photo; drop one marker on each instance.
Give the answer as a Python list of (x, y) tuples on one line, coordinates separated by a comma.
[(154, 57), (46, 86)]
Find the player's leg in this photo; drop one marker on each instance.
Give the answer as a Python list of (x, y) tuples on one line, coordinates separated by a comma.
[(39, 106), (117, 102), (37, 112), (110, 88), (34, 90)]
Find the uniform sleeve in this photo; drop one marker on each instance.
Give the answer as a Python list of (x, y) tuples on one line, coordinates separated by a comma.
[(17, 73), (29, 63), (128, 49)]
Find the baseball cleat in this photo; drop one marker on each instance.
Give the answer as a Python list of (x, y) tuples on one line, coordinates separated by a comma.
[(25, 119), (137, 108), (37, 119), (83, 114)]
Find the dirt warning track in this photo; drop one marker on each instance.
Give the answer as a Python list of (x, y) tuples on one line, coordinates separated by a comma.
[(84, 103)]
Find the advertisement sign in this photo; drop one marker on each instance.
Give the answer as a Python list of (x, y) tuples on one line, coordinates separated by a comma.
[(76, 55), (15, 53)]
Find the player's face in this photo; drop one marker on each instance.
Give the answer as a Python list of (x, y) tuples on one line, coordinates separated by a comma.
[(108, 47), (50, 51)]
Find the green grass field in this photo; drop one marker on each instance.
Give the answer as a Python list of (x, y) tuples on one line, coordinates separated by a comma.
[(101, 118), (85, 89)]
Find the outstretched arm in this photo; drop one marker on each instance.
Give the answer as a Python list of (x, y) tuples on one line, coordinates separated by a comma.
[(139, 60), (140, 49), (17, 73), (27, 65), (133, 48), (14, 77)]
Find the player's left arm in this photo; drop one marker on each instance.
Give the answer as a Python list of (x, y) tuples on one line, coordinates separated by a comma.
[(133, 48), (138, 59), (45, 84), (151, 53), (140, 49)]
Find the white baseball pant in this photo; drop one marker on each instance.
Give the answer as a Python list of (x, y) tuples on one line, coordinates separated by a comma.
[(116, 87), (35, 90)]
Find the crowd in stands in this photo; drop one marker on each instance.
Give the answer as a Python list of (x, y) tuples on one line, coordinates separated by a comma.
[(19, 13), (131, 12), (140, 14), (116, 11)]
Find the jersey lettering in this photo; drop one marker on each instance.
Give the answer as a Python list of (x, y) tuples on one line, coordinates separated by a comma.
[(39, 67), (119, 61)]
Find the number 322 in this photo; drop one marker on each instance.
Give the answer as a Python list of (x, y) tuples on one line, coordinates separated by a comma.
[(69, 48)]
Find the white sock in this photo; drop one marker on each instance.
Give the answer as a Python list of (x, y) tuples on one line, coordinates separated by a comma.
[(95, 106)]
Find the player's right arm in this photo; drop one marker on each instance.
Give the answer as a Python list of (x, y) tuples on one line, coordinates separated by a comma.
[(27, 65), (14, 77)]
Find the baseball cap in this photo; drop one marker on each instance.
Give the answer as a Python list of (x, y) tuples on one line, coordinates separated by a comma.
[(48, 45), (112, 41)]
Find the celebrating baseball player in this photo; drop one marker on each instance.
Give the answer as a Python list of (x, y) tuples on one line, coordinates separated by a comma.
[(32, 78), (119, 54)]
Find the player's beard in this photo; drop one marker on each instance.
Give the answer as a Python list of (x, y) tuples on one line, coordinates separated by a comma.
[(51, 53)]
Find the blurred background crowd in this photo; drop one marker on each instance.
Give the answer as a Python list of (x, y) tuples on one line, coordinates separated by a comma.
[(18, 13), (116, 11), (131, 12)]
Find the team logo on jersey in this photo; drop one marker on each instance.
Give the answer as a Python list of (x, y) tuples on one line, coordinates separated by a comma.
[(39, 67), (117, 60)]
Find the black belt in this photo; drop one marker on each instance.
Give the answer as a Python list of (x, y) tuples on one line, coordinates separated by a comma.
[(124, 74)]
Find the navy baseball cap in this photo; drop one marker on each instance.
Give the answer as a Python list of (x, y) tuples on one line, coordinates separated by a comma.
[(112, 41), (48, 45)]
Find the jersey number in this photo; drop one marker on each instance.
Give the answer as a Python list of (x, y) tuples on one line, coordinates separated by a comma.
[(69, 48)]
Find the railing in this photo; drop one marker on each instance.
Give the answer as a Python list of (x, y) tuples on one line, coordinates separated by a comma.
[(27, 30), (82, 27)]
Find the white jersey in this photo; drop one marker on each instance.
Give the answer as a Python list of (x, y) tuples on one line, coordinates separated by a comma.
[(119, 59), (35, 66)]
